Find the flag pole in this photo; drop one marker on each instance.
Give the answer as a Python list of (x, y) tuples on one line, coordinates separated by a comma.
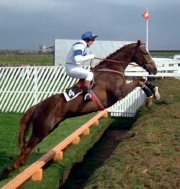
[(147, 17), (147, 33)]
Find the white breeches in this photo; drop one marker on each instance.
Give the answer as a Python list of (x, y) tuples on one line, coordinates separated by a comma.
[(78, 72)]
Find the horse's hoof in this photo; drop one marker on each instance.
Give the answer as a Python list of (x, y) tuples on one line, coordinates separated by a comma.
[(5, 172), (157, 94)]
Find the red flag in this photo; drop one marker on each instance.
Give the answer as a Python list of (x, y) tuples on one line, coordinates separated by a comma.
[(146, 15)]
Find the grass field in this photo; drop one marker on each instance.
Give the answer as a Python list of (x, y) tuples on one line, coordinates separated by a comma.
[(47, 59), (20, 59), (164, 54), (151, 159), (57, 172)]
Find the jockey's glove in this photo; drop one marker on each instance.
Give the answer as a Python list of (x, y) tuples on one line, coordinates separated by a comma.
[(90, 56)]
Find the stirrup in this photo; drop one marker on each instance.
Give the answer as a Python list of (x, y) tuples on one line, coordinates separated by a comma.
[(87, 97)]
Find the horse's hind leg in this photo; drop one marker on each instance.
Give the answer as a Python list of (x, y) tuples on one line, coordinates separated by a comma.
[(25, 152), (35, 139)]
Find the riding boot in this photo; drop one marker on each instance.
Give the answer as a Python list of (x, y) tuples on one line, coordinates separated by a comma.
[(86, 91)]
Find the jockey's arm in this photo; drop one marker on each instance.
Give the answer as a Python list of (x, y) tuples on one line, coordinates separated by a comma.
[(81, 58), (80, 54)]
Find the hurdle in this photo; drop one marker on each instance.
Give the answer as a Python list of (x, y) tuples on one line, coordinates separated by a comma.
[(35, 171)]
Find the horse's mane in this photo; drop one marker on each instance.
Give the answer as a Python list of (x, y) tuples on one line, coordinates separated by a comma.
[(113, 56)]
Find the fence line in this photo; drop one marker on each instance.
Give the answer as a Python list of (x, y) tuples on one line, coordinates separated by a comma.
[(22, 87), (35, 171), (128, 106)]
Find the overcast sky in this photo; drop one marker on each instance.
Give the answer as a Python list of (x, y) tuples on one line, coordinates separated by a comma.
[(26, 24)]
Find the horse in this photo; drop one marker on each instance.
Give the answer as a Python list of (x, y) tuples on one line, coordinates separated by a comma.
[(109, 86)]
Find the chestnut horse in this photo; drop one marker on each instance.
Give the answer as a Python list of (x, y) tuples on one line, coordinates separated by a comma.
[(109, 86)]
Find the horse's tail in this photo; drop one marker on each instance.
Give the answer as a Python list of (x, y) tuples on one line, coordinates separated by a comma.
[(25, 124)]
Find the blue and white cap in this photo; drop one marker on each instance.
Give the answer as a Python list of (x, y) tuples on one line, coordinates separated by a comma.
[(88, 35)]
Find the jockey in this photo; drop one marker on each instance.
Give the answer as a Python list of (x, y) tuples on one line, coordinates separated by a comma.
[(75, 58)]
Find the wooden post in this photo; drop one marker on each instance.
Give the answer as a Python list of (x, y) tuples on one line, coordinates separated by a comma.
[(38, 175), (76, 141), (58, 156), (96, 122), (86, 132)]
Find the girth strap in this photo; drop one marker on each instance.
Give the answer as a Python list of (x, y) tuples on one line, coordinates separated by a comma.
[(96, 100), (109, 70)]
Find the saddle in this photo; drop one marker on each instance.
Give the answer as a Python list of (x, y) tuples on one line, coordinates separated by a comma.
[(77, 89)]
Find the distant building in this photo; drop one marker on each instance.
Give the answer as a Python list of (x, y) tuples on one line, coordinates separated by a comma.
[(43, 48), (100, 48)]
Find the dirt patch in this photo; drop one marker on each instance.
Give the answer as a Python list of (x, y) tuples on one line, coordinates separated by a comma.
[(95, 158)]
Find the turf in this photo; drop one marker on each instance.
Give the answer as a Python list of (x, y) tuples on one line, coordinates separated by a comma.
[(150, 160), (58, 171), (22, 59)]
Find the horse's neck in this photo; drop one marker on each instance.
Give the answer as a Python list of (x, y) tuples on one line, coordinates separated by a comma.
[(124, 60), (121, 59)]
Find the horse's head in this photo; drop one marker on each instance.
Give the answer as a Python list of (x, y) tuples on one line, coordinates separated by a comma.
[(144, 59)]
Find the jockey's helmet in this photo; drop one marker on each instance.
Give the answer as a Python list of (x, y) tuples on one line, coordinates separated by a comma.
[(88, 35)]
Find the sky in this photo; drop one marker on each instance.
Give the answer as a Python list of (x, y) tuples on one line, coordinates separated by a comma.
[(28, 24)]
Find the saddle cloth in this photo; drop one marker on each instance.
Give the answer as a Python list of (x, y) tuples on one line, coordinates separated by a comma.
[(72, 92)]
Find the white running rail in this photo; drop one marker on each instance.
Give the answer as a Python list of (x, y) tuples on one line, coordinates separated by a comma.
[(128, 106), (22, 87)]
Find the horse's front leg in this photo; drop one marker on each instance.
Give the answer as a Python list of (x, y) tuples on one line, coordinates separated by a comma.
[(128, 87), (154, 89)]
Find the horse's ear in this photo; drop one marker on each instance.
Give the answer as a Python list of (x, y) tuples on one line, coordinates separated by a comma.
[(139, 42)]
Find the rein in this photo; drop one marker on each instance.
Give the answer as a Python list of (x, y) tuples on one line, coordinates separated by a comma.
[(137, 50), (109, 60)]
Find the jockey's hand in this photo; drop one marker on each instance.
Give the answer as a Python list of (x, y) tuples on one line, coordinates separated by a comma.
[(90, 56)]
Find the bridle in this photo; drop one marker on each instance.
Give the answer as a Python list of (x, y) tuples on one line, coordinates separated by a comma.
[(109, 60), (141, 59)]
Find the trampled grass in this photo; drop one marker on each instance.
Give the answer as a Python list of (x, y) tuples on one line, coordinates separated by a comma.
[(150, 160)]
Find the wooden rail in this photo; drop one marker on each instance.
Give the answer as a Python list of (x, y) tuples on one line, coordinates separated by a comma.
[(35, 171)]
